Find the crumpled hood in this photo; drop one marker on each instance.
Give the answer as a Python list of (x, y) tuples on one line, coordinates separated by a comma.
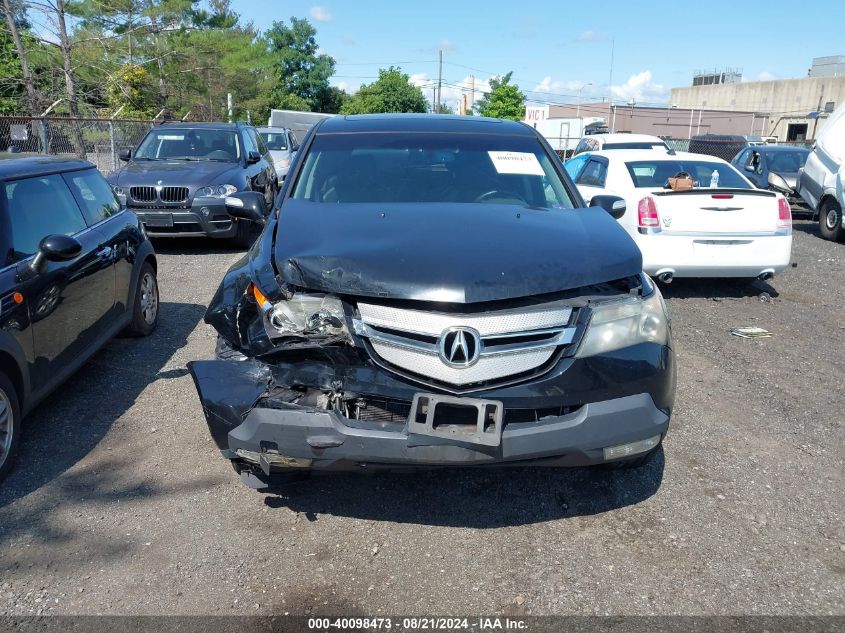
[(457, 253), (192, 174)]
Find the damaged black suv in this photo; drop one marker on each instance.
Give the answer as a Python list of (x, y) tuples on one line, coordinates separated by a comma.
[(430, 291)]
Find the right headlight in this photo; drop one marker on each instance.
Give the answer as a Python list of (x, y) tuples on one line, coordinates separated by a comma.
[(619, 324), (216, 191), (301, 315)]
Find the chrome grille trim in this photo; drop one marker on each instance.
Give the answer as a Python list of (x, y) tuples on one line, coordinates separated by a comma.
[(409, 340), (173, 194), (433, 323), (168, 195), (487, 367), (143, 194)]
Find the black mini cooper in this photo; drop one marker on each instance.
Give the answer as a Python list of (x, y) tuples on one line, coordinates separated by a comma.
[(77, 269)]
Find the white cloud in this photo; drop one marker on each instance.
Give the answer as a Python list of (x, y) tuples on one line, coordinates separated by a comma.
[(346, 86), (592, 36), (447, 46), (558, 87), (766, 76), (640, 87), (321, 14)]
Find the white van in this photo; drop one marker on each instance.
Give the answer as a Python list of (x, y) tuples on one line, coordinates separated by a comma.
[(821, 181)]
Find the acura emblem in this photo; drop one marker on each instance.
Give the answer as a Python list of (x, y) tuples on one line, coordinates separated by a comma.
[(459, 346)]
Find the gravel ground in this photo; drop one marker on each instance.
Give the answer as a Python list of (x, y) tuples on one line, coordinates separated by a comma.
[(121, 505)]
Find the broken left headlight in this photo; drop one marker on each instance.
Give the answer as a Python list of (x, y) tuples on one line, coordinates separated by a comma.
[(302, 315)]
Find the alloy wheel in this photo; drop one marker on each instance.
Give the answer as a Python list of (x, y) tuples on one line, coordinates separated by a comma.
[(149, 298), (6, 423), (831, 219)]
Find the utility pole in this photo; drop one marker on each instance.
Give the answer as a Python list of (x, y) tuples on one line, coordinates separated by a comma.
[(471, 92), (440, 83)]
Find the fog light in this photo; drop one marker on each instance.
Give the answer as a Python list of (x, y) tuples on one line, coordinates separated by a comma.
[(633, 448), (250, 456), (274, 459), (287, 461), (205, 211)]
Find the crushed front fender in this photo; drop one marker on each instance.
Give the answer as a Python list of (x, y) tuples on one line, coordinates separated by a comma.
[(228, 390)]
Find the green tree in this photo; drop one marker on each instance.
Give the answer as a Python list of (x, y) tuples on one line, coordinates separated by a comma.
[(299, 71), (504, 101), (132, 90), (391, 92)]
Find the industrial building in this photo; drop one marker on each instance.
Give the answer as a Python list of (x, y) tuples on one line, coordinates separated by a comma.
[(791, 108), (666, 121)]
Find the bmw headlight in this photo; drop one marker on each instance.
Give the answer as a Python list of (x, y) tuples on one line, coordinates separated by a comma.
[(303, 315), (619, 324), (216, 191)]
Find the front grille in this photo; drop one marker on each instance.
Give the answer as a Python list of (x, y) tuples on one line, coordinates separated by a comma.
[(174, 194), (501, 344), (380, 410), (374, 409), (143, 194), (168, 195)]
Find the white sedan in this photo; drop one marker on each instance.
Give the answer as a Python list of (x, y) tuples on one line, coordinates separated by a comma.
[(721, 227)]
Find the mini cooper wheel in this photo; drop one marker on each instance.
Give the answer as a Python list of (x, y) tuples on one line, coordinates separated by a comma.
[(10, 425), (146, 308)]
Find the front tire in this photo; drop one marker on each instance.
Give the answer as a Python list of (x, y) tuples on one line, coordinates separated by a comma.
[(145, 308), (10, 425), (243, 234), (830, 221)]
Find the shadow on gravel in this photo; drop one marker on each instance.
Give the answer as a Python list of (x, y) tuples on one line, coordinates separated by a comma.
[(472, 498), (66, 426), (703, 288), (194, 246), (810, 228)]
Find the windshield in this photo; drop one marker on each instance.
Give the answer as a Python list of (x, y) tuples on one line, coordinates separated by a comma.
[(787, 162), (654, 174), (446, 168), (190, 144), (275, 140)]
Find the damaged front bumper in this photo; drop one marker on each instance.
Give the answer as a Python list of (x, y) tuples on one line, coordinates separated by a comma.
[(335, 414)]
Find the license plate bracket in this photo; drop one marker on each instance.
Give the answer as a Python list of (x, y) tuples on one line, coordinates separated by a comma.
[(451, 418), (158, 219)]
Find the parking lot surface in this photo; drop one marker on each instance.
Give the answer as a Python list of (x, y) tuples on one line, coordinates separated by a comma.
[(120, 503)]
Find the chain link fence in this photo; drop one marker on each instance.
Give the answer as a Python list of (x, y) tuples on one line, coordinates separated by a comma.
[(96, 140)]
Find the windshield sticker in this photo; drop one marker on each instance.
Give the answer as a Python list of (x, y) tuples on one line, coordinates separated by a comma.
[(524, 163), (171, 137)]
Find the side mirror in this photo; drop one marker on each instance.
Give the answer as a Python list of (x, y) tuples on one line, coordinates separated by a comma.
[(778, 183), (294, 147), (253, 157), (55, 248), (247, 205), (614, 205), (125, 154)]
